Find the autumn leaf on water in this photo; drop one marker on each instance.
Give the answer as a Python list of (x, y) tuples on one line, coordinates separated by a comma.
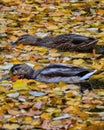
[(20, 85), (30, 104), (64, 116), (35, 93)]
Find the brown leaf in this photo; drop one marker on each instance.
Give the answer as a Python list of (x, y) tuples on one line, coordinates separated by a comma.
[(25, 105), (32, 112), (38, 104), (14, 112), (47, 126)]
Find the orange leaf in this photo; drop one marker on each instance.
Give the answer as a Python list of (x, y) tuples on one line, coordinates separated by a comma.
[(13, 112)]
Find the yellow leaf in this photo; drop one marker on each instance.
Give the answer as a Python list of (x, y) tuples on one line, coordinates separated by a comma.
[(52, 27), (2, 96), (78, 62), (72, 110), (28, 120), (12, 119), (20, 85), (43, 61), (54, 54), (42, 50), (83, 115), (100, 11), (24, 19), (56, 19), (10, 126), (2, 89), (36, 122), (98, 64), (45, 116), (54, 111)]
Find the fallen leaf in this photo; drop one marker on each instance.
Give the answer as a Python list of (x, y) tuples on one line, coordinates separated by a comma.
[(45, 115), (37, 94), (14, 112), (20, 85), (7, 66), (11, 126), (64, 116), (13, 95), (38, 104)]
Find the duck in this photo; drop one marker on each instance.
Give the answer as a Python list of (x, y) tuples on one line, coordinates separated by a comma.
[(63, 42), (53, 73)]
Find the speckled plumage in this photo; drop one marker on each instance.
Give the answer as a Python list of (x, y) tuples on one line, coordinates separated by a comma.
[(64, 42)]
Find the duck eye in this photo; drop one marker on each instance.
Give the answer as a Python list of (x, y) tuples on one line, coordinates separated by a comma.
[(15, 72)]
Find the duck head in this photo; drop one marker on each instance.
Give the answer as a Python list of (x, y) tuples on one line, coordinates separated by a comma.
[(22, 71), (26, 39)]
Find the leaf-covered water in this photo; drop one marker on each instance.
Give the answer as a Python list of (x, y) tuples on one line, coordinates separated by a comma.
[(57, 106)]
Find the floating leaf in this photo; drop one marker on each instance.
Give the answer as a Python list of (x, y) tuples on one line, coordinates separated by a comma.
[(2, 89), (10, 126), (97, 81), (40, 34), (14, 112), (27, 120), (13, 95), (45, 115), (21, 99), (5, 83), (20, 85), (64, 116), (51, 27), (37, 94), (54, 111), (58, 93), (7, 66), (38, 104), (50, 105)]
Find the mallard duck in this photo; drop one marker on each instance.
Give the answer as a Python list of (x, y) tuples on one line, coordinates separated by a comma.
[(52, 73), (64, 42)]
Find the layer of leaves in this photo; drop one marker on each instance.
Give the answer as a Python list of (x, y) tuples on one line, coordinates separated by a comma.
[(49, 106)]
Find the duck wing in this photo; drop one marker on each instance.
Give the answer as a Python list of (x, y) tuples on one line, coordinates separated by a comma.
[(83, 42), (66, 42), (55, 73), (62, 70), (53, 42)]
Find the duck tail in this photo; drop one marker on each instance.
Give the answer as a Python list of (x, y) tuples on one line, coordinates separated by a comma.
[(87, 76)]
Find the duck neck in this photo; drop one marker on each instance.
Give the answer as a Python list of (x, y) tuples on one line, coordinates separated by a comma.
[(37, 42), (35, 73)]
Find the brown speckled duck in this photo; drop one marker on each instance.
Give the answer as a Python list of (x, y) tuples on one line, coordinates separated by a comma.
[(52, 73), (64, 42)]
